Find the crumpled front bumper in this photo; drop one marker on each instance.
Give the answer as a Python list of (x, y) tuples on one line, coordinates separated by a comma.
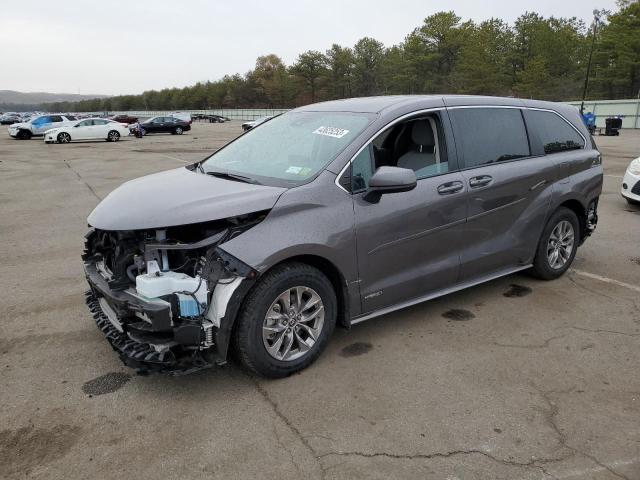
[(162, 348)]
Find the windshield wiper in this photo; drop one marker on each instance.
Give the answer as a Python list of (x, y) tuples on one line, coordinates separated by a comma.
[(233, 176)]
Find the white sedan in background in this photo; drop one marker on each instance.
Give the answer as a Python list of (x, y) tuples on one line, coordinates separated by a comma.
[(88, 129), (631, 183)]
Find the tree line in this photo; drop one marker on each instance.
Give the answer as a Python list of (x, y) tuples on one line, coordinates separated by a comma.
[(535, 57)]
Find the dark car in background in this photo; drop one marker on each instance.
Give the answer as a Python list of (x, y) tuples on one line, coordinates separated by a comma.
[(172, 125), (209, 117), (10, 118), (332, 214), (128, 119)]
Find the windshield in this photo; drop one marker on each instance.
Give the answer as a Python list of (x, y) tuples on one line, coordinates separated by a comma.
[(289, 149)]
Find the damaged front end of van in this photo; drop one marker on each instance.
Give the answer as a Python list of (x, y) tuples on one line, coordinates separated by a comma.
[(162, 288)]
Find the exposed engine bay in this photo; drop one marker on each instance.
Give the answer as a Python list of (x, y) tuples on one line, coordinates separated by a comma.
[(166, 298)]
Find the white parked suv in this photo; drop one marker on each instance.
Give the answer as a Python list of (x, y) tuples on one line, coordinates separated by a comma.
[(36, 126), (631, 183)]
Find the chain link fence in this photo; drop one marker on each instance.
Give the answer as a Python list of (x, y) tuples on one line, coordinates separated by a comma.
[(243, 114), (629, 110)]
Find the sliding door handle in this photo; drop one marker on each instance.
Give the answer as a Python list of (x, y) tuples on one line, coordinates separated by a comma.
[(450, 187), (480, 181)]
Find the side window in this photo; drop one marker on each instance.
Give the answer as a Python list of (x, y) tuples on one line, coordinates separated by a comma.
[(554, 132), (417, 144), (99, 122), (41, 121), (489, 135), (85, 123), (56, 118), (361, 170)]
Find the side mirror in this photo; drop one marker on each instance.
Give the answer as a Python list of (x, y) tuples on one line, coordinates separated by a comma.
[(390, 180)]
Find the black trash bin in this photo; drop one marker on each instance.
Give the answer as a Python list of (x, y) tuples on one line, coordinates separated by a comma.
[(612, 126)]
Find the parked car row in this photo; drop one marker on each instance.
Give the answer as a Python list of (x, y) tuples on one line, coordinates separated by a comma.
[(65, 127)]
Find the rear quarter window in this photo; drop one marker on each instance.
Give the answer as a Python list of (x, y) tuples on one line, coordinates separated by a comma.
[(554, 132)]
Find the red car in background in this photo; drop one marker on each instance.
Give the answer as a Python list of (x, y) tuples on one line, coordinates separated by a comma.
[(124, 119)]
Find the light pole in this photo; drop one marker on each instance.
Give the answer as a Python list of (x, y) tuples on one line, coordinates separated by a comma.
[(596, 19)]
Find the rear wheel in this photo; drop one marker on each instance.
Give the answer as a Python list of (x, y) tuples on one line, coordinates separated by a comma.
[(558, 245), (113, 136), (64, 137), (286, 320), (178, 131)]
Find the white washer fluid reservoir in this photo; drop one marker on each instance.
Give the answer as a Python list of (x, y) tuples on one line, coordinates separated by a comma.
[(153, 285)]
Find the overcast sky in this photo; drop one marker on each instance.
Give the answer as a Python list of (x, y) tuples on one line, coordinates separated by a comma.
[(117, 47)]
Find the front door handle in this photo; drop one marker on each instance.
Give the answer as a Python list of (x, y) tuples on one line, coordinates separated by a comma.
[(450, 187), (480, 181)]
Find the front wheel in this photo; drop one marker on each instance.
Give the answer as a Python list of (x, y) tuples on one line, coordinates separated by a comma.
[(113, 136), (178, 131), (286, 320), (558, 245), (64, 137), (24, 135)]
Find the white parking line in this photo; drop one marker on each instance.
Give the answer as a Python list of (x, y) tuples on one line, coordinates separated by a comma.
[(635, 288), (583, 473), (173, 158), (614, 176)]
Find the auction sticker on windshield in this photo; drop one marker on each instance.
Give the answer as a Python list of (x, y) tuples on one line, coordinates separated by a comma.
[(334, 132)]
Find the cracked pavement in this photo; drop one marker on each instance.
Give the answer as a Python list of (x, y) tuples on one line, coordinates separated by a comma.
[(540, 384)]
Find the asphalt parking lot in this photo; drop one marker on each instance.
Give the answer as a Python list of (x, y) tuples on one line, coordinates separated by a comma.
[(513, 379)]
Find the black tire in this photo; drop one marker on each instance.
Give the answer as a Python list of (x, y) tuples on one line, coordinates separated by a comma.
[(249, 345), (63, 137), (178, 131), (113, 136), (541, 264), (24, 135)]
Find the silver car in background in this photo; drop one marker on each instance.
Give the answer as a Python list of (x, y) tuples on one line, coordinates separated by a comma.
[(332, 214)]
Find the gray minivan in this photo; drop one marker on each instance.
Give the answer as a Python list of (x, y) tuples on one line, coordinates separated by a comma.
[(332, 214)]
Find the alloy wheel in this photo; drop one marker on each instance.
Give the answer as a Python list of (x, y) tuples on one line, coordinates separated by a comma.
[(293, 323), (560, 245), (64, 138), (114, 136)]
